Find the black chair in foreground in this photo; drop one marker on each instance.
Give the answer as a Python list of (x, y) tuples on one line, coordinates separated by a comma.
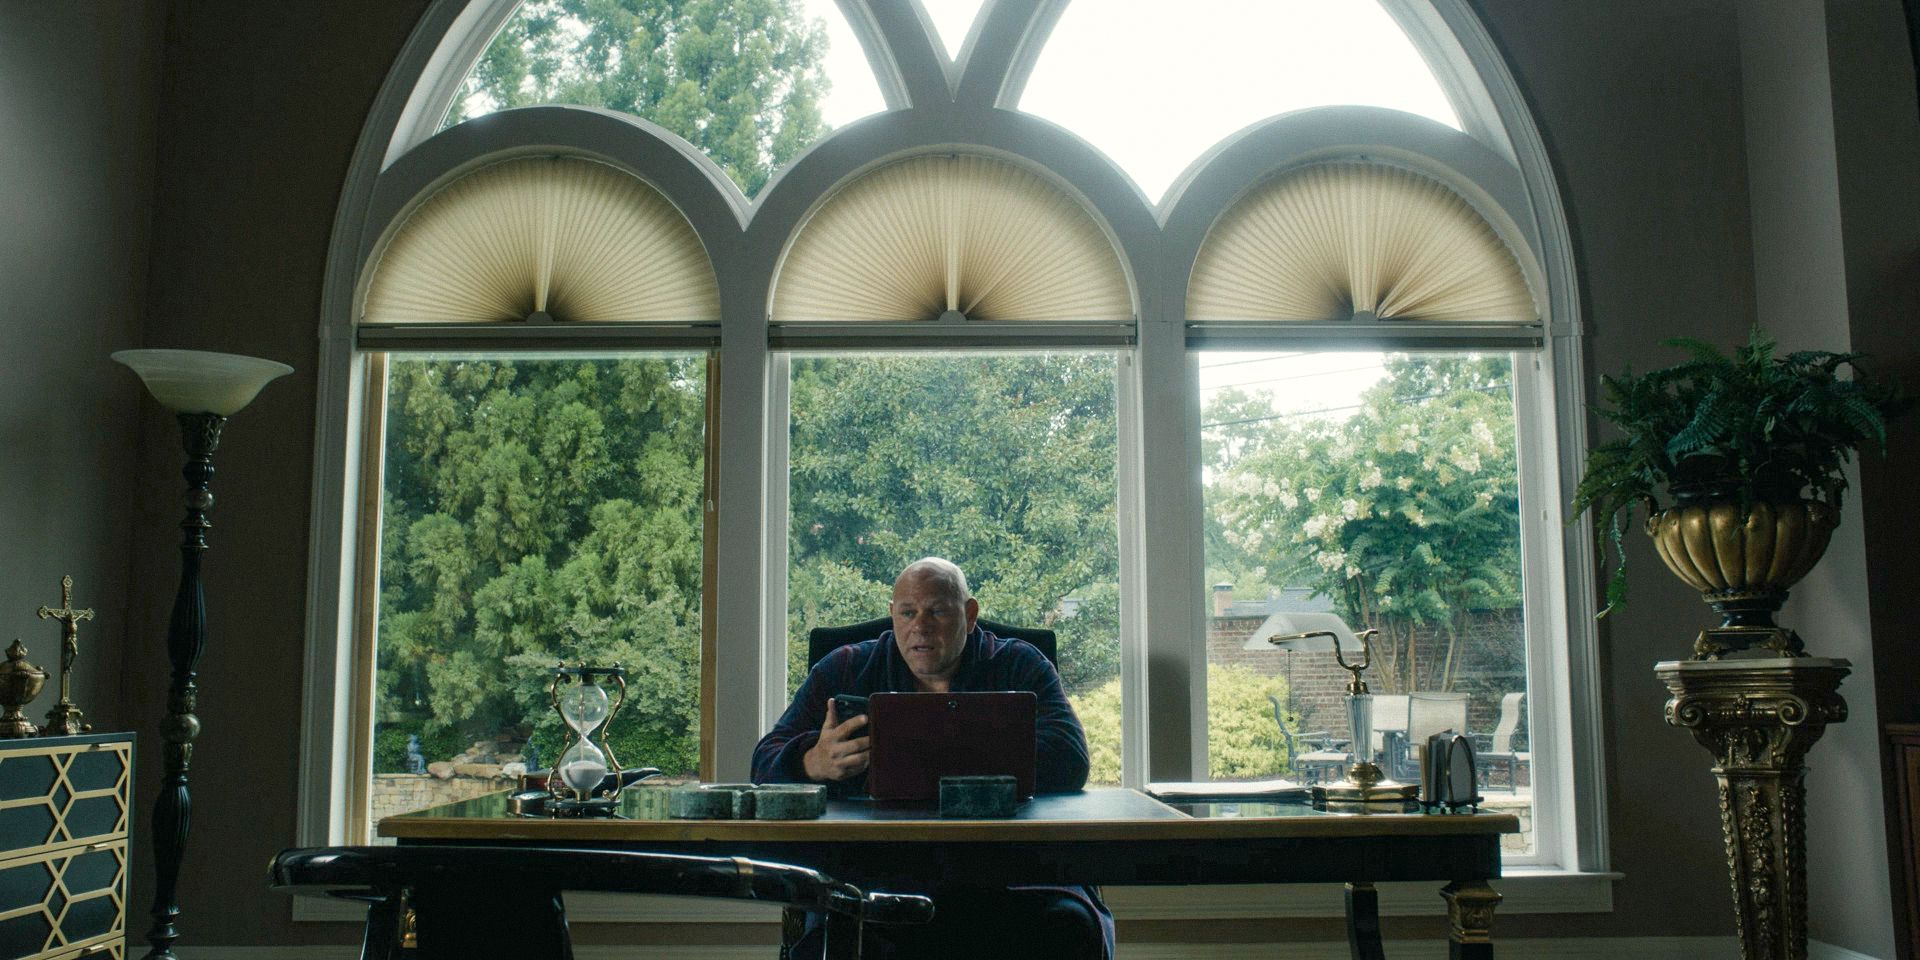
[(824, 640), (480, 903)]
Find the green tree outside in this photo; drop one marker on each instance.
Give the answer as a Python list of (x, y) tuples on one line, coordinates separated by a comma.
[(1243, 738), (1406, 513), (544, 510), (1002, 463), (540, 511), (739, 79)]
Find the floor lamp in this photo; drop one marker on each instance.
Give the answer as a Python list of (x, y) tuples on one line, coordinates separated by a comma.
[(203, 389)]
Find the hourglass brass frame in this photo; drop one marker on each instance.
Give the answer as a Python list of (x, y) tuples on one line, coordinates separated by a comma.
[(581, 673)]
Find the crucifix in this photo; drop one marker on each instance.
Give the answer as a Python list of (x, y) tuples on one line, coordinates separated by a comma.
[(66, 719)]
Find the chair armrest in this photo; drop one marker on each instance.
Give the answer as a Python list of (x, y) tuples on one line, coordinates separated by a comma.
[(896, 908)]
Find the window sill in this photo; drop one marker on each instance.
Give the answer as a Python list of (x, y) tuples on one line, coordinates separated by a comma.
[(1525, 890)]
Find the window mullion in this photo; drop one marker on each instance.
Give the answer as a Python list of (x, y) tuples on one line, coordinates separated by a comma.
[(1130, 495), (773, 671), (1545, 612), (1169, 679), (741, 617), (366, 592)]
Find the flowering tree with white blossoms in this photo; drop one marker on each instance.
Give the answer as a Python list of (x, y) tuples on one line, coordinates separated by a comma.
[(1405, 513)]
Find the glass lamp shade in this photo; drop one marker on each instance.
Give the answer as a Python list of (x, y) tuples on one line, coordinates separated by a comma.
[(195, 381), (1305, 633)]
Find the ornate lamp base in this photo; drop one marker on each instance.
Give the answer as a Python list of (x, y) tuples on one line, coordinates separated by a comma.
[(65, 720), (1759, 718), (1365, 784)]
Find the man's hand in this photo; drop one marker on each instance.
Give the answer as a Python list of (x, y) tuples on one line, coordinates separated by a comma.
[(838, 754)]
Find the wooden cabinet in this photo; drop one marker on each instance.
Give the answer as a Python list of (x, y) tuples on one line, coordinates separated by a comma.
[(1904, 738), (64, 813)]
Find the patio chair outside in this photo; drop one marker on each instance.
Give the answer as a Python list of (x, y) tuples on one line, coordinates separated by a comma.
[(1390, 732), (1310, 765), (1499, 750), (1428, 713)]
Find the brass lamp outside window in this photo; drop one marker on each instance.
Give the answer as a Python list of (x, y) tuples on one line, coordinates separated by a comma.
[(1320, 632)]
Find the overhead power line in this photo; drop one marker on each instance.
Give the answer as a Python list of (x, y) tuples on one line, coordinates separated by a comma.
[(1350, 406)]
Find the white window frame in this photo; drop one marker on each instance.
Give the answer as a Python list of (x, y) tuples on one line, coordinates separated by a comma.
[(1162, 589)]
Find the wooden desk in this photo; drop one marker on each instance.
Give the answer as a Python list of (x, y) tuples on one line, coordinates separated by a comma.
[(1104, 836)]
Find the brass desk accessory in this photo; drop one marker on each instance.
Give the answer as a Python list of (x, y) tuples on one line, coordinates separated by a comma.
[(65, 719), (20, 682), (1759, 718), (1365, 782)]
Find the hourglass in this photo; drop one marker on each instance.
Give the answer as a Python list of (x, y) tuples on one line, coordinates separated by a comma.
[(579, 781)]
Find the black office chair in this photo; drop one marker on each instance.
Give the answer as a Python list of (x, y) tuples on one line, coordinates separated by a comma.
[(824, 640), (477, 903)]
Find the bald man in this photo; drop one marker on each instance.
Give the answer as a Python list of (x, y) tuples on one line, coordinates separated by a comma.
[(936, 645)]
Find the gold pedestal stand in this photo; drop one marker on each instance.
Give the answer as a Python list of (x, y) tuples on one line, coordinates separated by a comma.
[(1759, 718)]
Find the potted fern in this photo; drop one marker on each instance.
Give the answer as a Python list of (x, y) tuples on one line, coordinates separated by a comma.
[(1739, 462)]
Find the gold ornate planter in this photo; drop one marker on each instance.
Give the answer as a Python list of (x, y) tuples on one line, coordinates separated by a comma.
[(1742, 563)]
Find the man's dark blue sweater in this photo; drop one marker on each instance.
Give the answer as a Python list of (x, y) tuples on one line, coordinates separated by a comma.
[(1055, 922), (875, 666)]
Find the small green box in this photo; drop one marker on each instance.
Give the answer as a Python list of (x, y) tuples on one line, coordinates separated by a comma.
[(789, 801), (711, 801), (978, 798)]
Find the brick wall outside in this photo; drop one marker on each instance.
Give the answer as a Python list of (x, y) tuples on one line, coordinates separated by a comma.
[(395, 793), (1491, 663)]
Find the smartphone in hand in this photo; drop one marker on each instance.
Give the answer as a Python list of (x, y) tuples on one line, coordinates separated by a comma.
[(846, 706)]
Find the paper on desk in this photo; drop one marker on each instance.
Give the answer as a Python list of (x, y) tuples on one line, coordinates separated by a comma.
[(1273, 790)]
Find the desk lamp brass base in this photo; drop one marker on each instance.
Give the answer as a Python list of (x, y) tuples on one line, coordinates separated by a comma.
[(1365, 784)]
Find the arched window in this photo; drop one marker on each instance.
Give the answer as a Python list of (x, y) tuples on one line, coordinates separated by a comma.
[(670, 369)]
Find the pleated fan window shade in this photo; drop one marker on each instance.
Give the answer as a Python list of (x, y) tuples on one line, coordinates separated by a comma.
[(1351, 240), (570, 238), (913, 240)]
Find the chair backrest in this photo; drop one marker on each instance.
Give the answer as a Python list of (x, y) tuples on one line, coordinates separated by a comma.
[(1286, 736), (824, 640), (1509, 722), (1389, 715), (1430, 712)]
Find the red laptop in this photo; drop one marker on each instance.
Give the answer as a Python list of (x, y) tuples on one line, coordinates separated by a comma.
[(920, 737)]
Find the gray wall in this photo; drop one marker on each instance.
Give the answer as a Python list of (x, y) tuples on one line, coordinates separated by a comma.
[(77, 94), (261, 105), (1877, 153), (1802, 275)]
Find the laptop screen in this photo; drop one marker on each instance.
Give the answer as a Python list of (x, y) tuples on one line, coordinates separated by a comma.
[(920, 737)]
